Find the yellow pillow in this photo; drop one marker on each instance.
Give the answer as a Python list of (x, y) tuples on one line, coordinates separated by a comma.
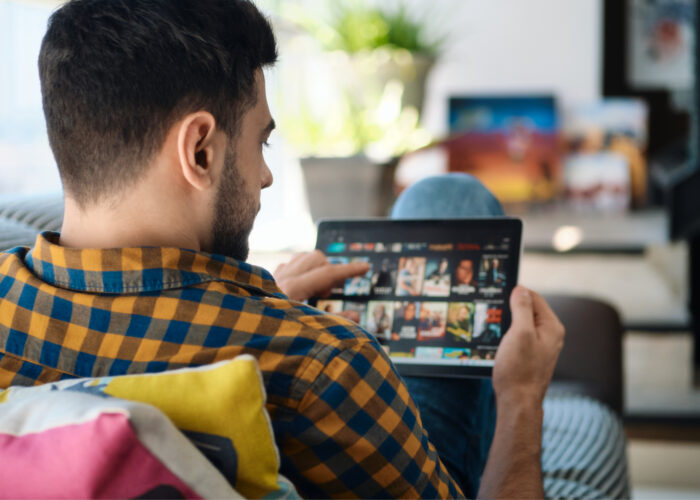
[(220, 407)]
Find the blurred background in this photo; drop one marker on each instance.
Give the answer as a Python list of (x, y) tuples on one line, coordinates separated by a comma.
[(580, 115)]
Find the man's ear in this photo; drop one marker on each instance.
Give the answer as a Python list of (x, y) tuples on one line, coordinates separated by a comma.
[(199, 148)]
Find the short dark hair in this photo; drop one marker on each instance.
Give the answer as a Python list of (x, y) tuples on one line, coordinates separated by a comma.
[(117, 74)]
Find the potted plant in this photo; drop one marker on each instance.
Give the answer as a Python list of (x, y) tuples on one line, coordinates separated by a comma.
[(361, 104)]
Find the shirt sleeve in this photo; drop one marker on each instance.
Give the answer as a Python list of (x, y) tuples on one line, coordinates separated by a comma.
[(357, 433)]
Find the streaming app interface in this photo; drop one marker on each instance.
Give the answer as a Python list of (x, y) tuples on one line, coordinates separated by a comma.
[(432, 299)]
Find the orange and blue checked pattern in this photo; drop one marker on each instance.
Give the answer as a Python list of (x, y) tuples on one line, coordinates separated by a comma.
[(343, 419)]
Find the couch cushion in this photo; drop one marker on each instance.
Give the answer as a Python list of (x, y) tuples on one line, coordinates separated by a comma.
[(22, 217), (66, 444), (220, 407), (14, 234), (41, 212)]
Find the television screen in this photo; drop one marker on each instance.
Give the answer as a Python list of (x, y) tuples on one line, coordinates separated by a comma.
[(510, 143)]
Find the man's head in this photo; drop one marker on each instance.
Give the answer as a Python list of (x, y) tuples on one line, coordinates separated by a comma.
[(129, 84)]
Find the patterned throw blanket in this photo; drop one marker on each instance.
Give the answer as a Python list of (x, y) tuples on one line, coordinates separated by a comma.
[(583, 449)]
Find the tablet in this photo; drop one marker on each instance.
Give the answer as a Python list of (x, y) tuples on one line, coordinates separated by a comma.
[(437, 294)]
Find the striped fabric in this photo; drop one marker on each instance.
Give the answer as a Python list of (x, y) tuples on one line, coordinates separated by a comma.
[(583, 450), (342, 417)]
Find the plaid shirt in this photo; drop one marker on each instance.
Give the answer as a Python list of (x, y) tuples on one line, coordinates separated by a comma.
[(342, 417)]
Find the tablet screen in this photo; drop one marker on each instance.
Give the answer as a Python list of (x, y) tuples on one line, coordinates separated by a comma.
[(436, 295)]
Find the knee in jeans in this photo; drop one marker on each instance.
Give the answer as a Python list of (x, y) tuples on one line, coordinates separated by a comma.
[(453, 195)]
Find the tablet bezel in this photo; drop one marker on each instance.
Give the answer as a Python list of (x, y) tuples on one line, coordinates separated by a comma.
[(508, 226)]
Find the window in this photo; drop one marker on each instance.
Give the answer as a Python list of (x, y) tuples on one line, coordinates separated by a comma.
[(26, 162)]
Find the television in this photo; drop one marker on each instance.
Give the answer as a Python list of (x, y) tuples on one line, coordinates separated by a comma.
[(509, 142)]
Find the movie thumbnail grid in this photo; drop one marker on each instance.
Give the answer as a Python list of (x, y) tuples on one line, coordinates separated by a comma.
[(428, 329), (418, 276)]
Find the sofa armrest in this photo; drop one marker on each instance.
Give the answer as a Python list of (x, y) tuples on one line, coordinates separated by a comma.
[(592, 353)]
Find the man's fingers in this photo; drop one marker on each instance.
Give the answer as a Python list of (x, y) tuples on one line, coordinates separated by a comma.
[(318, 281), (541, 308), (344, 271), (522, 309), (307, 261), (545, 319), (337, 273), (311, 275)]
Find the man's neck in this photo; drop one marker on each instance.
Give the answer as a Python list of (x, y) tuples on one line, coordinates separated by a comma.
[(132, 222)]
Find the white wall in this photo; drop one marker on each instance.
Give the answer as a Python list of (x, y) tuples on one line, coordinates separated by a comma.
[(518, 46)]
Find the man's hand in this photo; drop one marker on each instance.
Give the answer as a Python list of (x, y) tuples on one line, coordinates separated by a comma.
[(311, 275), (528, 353), (524, 365)]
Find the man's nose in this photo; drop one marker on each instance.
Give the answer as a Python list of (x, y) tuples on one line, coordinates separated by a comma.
[(267, 178)]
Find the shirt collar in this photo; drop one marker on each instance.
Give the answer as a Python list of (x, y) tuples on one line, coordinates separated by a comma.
[(139, 269)]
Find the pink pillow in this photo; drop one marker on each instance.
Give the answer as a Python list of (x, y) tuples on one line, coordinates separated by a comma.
[(65, 444)]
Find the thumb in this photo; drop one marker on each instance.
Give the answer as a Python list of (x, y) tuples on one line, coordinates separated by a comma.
[(522, 308)]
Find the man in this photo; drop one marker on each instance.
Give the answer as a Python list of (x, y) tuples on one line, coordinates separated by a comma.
[(157, 116)]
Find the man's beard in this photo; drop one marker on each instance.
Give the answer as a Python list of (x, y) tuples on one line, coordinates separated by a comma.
[(234, 213)]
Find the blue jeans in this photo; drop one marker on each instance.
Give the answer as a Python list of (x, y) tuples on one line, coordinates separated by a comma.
[(459, 414)]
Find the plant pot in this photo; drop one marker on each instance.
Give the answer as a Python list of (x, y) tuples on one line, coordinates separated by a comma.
[(348, 187), (365, 75)]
